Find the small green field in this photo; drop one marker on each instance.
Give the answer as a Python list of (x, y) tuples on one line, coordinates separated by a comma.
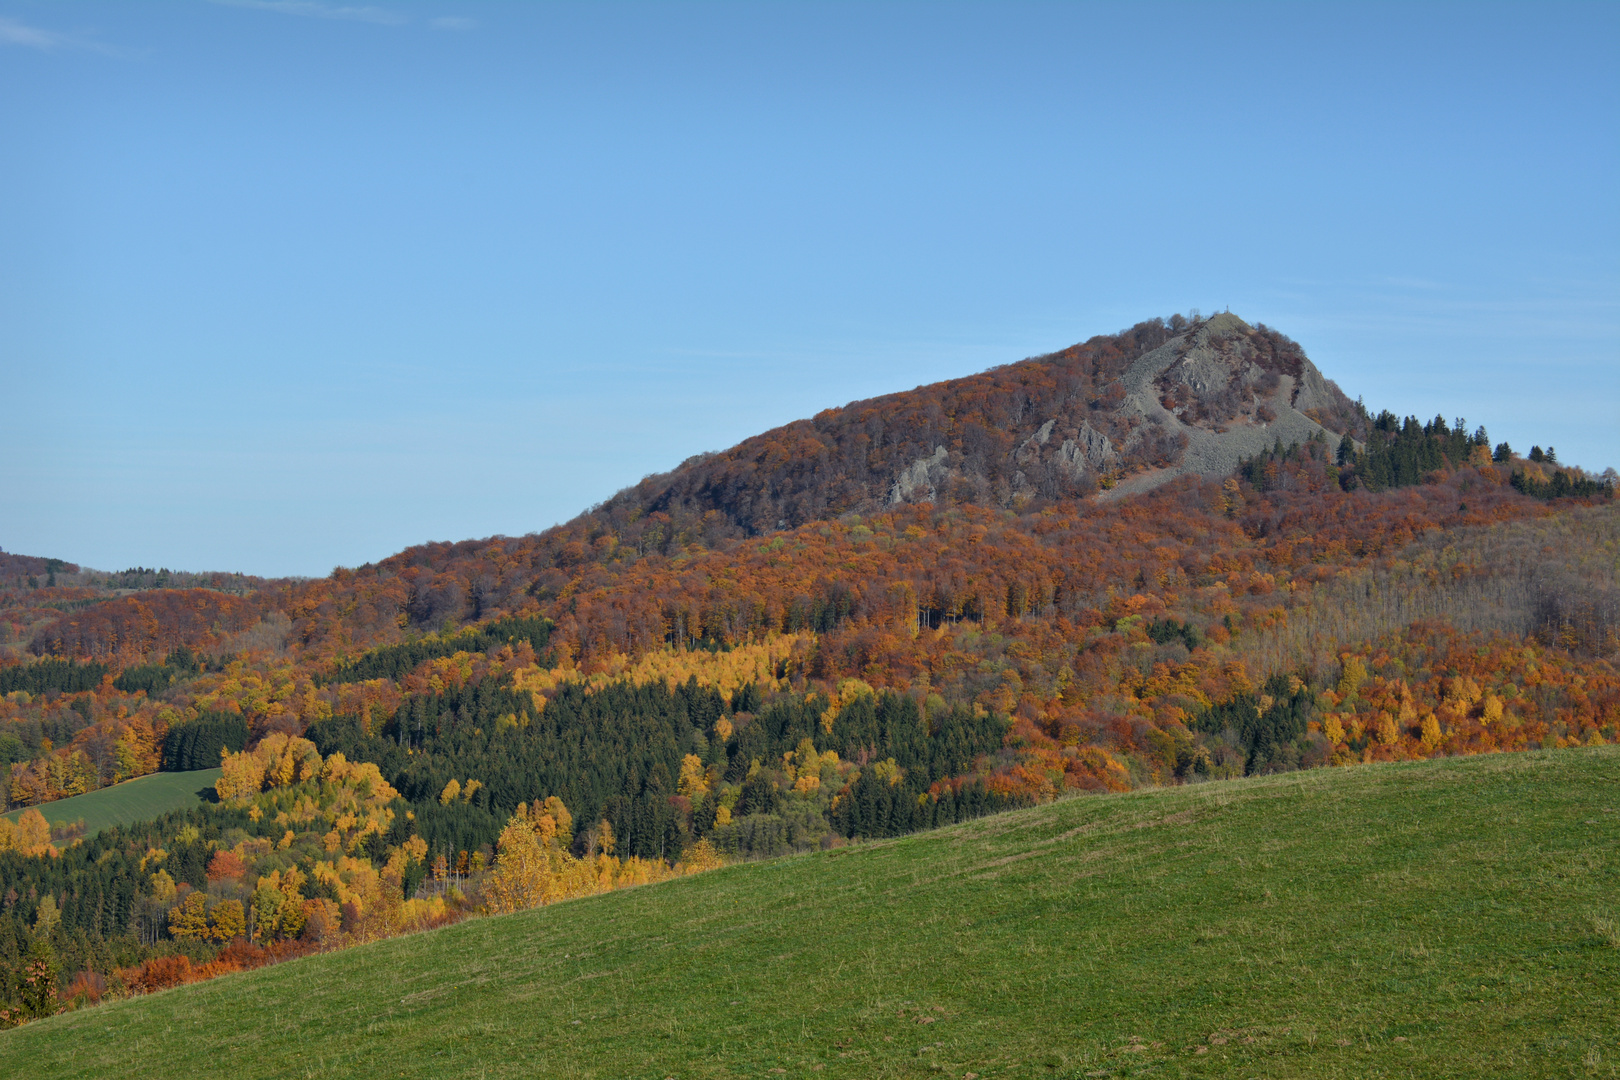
[(141, 799), (1440, 919)]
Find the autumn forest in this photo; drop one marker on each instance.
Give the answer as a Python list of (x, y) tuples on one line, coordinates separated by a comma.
[(1156, 558)]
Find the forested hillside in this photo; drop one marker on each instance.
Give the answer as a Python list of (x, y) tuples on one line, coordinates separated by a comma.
[(1165, 556), (45, 596), (1047, 427)]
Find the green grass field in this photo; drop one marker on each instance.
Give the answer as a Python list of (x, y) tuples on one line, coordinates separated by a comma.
[(141, 799), (1440, 919)]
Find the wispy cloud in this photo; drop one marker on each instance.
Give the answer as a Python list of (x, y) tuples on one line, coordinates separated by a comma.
[(309, 9), (13, 32)]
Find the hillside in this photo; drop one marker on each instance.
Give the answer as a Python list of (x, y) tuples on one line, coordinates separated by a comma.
[(1162, 402), (1432, 919), (1158, 400), (41, 601)]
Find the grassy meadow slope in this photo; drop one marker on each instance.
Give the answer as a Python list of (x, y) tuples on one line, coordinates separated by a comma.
[(141, 799), (1440, 918)]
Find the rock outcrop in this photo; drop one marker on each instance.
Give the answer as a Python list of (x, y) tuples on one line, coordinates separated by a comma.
[(1215, 392), (921, 480), (1201, 402)]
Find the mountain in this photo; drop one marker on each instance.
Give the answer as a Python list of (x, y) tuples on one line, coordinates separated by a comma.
[(1126, 412), (1143, 406), (1056, 442)]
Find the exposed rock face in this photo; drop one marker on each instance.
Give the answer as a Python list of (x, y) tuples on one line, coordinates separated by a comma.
[(921, 480), (1088, 451), (1201, 402), (1211, 390), (1032, 445)]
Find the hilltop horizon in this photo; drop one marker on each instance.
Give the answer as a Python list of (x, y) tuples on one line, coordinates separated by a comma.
[(1214, 454)]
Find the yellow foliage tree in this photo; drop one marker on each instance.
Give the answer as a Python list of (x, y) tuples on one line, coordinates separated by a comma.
[(888, 770), (694, 780), (1463, 691), (451, 790), (1333, 728), (1431, 731), (701, 856), (267, 902), (1389, 733), (30, 836), (29, 783), (278, 909), (46, 916), (293, 919), (163, 887), (190, 918), (288, 760), (555, 809), (227, 921), (1408, 708), (137, 750), (530, 872), (1231, 497), (1354, 674), (241, 776), (280, 760)]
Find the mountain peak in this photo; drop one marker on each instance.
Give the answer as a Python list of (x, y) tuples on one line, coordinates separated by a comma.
[(1225, 323), (1224, 391), (1125, 411)]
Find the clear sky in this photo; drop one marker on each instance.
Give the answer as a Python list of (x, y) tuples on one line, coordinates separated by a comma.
[(289, 284)]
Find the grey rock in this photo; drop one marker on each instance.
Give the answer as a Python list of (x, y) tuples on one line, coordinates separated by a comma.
[(922, 476), (1090, 452)]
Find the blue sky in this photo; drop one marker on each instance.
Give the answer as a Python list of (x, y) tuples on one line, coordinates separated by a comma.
[(289, 285)]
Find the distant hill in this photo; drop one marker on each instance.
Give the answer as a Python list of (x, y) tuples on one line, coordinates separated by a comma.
[(52, 607), (16, 569), (1152, 402)]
